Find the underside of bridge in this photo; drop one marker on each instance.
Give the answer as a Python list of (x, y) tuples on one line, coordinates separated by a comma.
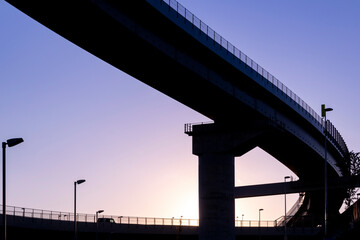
[(137, 38)]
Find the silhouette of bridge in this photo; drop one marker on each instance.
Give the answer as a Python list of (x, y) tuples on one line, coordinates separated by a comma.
[(164, 45)]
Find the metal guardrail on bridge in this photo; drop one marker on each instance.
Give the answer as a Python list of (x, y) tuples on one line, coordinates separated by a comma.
[(293, 210), (91, 218), (334, 136), (151, 221)]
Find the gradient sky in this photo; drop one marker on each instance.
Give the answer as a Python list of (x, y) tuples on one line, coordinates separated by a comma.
[(82, 118)]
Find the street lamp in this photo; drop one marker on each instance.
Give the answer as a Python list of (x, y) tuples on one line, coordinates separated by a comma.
[(323, 114), (97, 223), (242, 219), (98, 212), (260, 215), (75, 220), (10, 142), (285, 217)]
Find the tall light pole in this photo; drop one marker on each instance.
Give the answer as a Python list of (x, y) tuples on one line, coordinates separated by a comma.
[(97, 223), (285, 217), (323, 114), (260, 215), (75, 220), (10, 143)]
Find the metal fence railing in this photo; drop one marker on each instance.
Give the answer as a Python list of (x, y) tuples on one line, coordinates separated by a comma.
[(280, 221), (91, 218), (334, 135), (188, 127)]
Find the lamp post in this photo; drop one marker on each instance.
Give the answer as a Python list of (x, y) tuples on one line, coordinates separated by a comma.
[(260, 215), (75, 220), (10, 143), (242, 219), (97, 223), (323, 114), (285, 217)]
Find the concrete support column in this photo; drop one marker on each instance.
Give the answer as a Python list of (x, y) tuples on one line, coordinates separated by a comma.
[(216, 196), (216, 146)]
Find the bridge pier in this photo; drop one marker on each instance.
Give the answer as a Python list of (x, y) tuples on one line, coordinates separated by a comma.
[(216, 196), (216, 148)]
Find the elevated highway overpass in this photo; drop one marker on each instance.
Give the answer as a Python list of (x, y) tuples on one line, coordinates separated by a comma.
[(168, 48)]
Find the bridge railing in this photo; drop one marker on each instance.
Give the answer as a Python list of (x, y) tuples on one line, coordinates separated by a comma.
[(188, 127), (289, 214), (334, 136), (254, 223), (91, 218)]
